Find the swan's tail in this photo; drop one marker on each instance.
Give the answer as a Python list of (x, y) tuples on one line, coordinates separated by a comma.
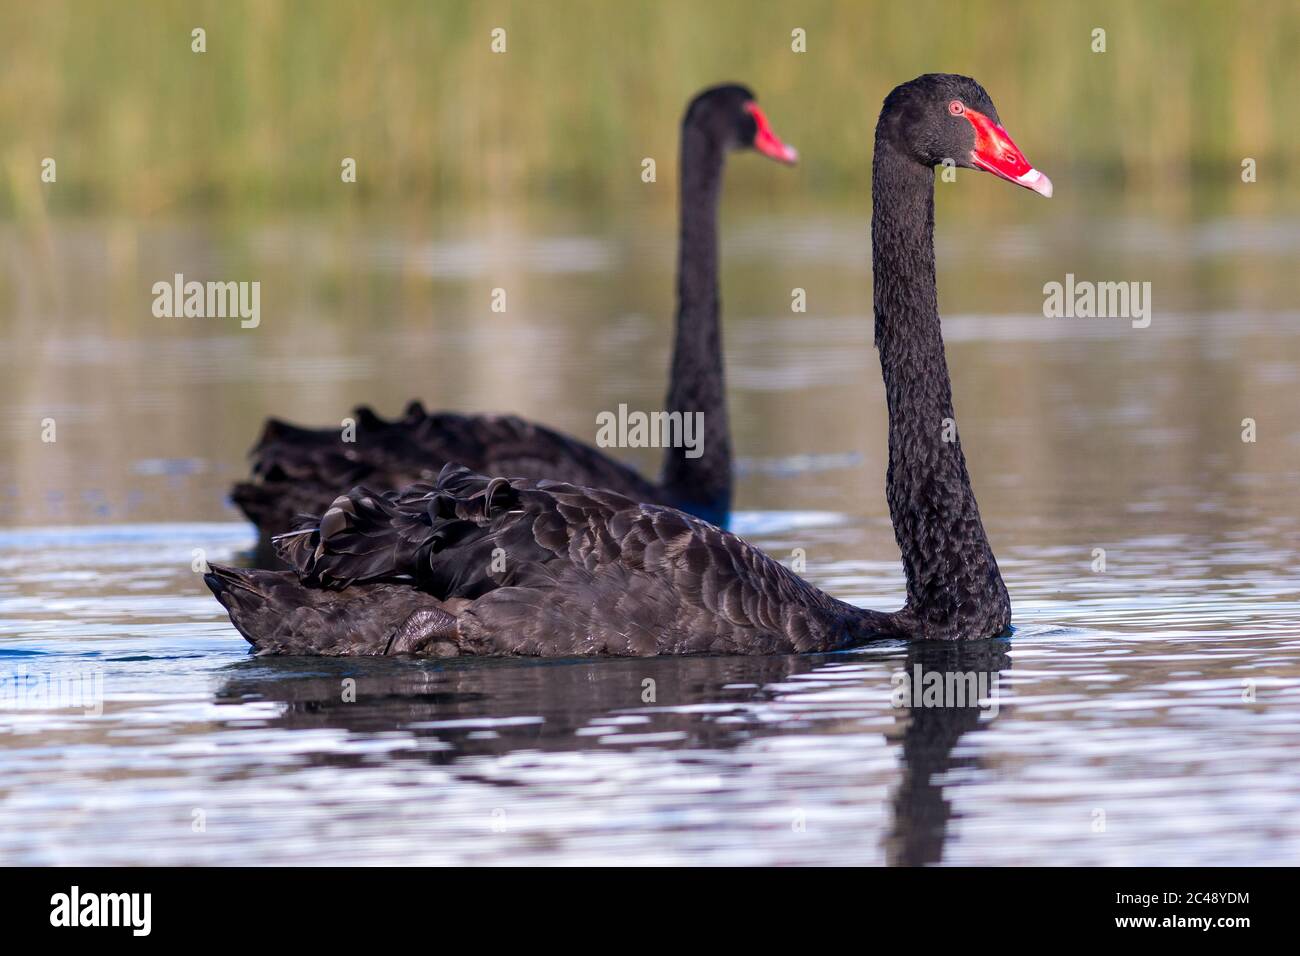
[(273, 505), (278, 615), (299, 470)]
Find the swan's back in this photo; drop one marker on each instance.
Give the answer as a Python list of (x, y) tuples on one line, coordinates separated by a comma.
[(297, 470), (548, 568)]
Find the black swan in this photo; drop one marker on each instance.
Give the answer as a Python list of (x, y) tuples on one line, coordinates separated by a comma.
[(301, 470), (475, 565)]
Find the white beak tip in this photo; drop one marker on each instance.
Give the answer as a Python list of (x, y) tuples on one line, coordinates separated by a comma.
[(1038, 182)]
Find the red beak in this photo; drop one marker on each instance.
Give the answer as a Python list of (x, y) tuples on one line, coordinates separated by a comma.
[(767, 142), (996, 153)]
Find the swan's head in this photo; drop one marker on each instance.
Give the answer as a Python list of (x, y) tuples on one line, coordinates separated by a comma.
[(730, 117), (943, 118)]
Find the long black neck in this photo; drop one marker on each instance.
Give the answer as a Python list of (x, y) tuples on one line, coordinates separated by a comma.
[(954, 588), (699, 484)]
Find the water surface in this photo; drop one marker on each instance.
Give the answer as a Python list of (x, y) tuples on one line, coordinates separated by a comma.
[(1144, 712)]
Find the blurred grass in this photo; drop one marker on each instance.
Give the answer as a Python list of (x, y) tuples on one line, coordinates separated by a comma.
[(141, 125)]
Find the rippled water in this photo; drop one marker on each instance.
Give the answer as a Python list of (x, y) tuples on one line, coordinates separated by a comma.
[(1144, 712)]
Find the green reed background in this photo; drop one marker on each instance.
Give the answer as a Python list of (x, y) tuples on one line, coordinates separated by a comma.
[(139, 124)]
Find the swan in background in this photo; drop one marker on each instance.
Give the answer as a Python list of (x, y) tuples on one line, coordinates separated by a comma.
[(301, 470)]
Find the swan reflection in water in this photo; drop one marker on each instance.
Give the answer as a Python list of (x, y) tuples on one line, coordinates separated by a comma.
[(929, 736), (456, 710)]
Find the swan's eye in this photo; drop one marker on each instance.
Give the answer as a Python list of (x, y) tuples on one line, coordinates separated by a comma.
[(955, 108)]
